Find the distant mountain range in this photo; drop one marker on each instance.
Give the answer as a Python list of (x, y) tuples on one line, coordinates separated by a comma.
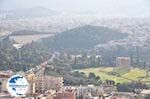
[(30, 12), (85, 37)]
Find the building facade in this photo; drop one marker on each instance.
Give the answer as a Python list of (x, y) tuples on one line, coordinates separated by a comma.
[(65, 95), (45, 83), (123, 63)]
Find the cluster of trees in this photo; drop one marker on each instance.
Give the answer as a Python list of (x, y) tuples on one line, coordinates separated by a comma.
[(131, 87), (7, 52), (80, 78), (73, 78), (86, 62), (21, 59), (74, 62)]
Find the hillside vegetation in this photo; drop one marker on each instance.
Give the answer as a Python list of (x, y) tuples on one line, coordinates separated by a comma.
[(85, 37)]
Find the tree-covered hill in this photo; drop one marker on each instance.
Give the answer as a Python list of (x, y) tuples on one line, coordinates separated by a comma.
[(24, 58), (85, 37)]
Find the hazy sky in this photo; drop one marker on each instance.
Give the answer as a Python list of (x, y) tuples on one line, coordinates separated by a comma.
[(103, 6)]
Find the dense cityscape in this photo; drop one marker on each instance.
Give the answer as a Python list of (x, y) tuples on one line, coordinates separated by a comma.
[(96, 50)]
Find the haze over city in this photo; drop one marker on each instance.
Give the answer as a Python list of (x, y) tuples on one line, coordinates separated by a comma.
[(131, 8)]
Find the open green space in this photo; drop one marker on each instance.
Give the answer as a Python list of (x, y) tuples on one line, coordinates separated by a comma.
[(136, 74)]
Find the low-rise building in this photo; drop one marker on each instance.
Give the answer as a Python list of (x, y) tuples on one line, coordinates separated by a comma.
[(122, 95), (89, 96), (94, 90), (145, 93), (65, 95), (82, 90)]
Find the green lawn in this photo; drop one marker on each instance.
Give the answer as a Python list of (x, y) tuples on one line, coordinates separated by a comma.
[(135, 74)]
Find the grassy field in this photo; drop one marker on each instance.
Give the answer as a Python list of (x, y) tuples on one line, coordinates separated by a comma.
[(134, 75)]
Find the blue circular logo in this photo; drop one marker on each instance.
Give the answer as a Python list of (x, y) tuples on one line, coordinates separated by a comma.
[(17, 85)]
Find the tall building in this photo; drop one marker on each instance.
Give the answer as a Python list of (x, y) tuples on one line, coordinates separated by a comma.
[(123, 63), (45, 83), (31, 80), (4, 76)]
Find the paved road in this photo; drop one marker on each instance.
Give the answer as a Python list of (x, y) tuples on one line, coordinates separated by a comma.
[(39, 69)]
